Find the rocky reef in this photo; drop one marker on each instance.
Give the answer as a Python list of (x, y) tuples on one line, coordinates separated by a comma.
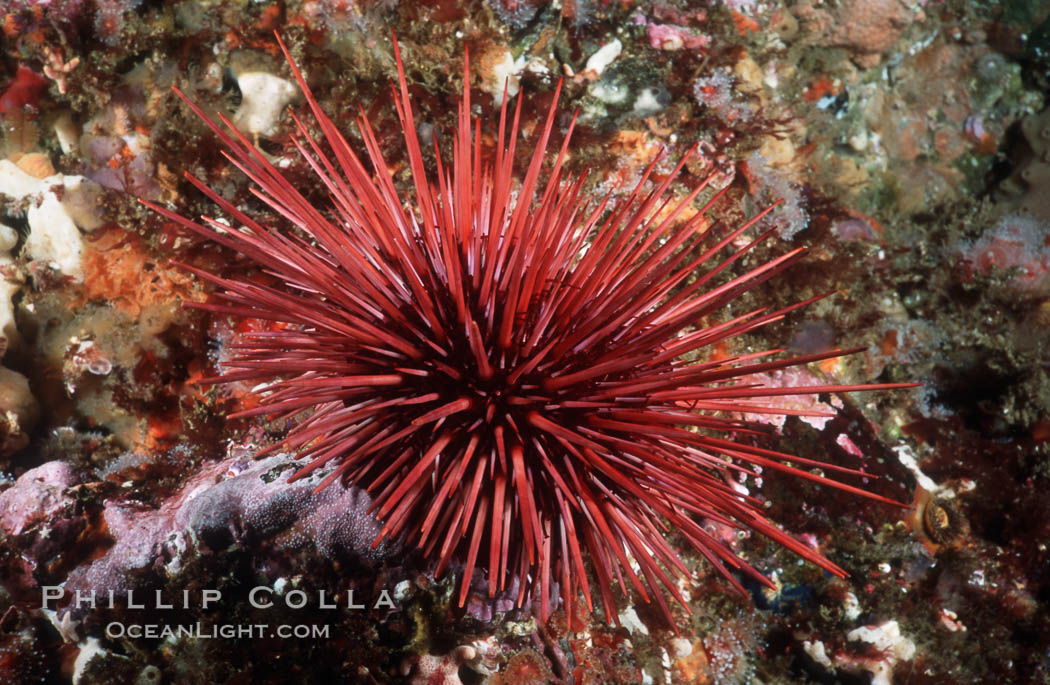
[(145, 539)]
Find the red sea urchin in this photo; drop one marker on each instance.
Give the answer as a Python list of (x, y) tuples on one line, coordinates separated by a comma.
[(517, 378)]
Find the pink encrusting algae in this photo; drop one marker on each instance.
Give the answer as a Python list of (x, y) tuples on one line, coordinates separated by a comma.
[(515, 374)]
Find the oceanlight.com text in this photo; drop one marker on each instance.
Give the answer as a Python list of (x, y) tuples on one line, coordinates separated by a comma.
[(116, 629)]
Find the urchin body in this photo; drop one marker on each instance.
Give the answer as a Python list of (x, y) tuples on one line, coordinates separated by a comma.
[(519, 377)]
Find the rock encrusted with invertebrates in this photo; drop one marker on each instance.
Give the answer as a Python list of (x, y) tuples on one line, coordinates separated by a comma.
[(903, 174)]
